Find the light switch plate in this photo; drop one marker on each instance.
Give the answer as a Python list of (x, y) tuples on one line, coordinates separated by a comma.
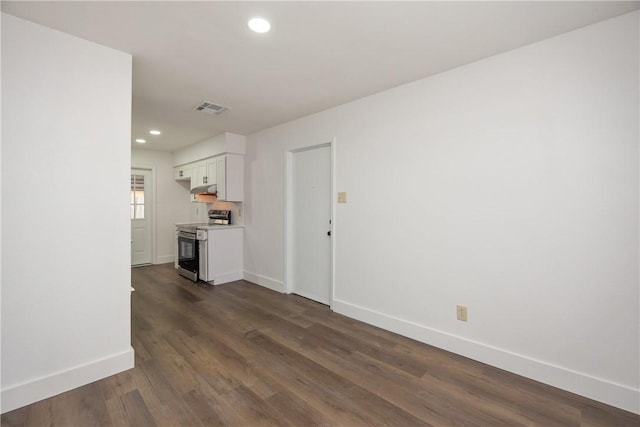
[(342, 197), (461, 312)]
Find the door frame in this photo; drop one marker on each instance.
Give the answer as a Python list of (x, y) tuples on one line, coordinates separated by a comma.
[(152, 206), (289, 285)]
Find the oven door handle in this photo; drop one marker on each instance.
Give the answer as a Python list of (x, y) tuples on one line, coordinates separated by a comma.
[(189, 236)]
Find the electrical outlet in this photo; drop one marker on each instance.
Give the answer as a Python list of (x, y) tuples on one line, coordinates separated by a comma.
[(342, 197), (461, 312)]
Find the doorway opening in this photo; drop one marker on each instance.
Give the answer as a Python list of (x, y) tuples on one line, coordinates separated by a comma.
[(141, 217)]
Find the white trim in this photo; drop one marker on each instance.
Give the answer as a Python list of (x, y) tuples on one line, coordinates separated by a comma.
[(334, 193), (289, 286), (599, 389), (19, 395), (267, 282), (219, 279), (288, 222)]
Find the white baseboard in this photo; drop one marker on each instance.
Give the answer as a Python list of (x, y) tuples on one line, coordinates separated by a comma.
[(219, 279), (604, 391), (41, 388), (164, 259), (267, 282)]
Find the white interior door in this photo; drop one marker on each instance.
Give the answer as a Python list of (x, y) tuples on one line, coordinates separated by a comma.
[(311, 254), (140, 216)]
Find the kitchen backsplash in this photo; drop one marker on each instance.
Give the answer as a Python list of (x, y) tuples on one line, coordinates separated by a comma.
[(200, 211)]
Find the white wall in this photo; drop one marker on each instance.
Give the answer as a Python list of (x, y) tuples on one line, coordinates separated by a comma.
[(172, 203), (513, 187), (219, 144), (66, 111)]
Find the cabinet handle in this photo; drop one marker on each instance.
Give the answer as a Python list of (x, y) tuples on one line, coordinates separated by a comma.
[(329, 233), (180, 173), (204, 180)]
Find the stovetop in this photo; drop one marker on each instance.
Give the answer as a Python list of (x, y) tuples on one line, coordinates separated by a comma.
[(191, 227)]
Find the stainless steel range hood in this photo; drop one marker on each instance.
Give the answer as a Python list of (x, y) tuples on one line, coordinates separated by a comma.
[(205, 189)]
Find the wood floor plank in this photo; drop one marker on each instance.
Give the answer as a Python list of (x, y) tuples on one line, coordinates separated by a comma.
[(231, 413), (218, 306), (253, 410), (598, 415), (40, 413), (135, 410), (117, 413), (296, 411), (242, 355), (205, 409), (399, 387), (322, 316), (465, 404), (181, 375), (14, 418), (271, 303), (329, 402), (413, 366), (378, 410), (85, 406), (539, 409), (238, 366), (173, 411)]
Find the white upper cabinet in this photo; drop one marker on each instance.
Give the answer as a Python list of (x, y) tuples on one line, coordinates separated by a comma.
[(226, 171), (221, 166), (182, 173), (211, 176), (198, 174), (231, 177), (203, 173)]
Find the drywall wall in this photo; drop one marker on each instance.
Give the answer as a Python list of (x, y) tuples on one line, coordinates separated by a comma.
[(172, 201), (509, 185), (66, 115), (219, 144)]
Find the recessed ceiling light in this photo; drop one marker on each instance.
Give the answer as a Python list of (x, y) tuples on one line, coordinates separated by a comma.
[(141, 141), (259, 25), (155, 132)]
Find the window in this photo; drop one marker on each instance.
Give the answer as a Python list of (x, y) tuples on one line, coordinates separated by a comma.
[(137, 196)]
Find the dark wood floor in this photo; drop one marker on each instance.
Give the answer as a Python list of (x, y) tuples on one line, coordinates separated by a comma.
[(241, 355)]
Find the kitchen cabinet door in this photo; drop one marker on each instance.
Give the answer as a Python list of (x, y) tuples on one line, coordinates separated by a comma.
[(211, 176), (224, 257), (198, 174), (221, 169), (231, 177), (182, 173)]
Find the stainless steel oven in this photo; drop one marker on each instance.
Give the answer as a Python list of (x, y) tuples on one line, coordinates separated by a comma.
[(188, 256)]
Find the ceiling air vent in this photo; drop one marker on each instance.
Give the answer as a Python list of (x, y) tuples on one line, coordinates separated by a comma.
[(210, 108)]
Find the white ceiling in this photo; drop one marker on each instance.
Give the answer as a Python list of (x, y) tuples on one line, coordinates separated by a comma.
[(317, 55)]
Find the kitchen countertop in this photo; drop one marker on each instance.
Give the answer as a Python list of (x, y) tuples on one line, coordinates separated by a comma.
[(219, 226), (205, 226)]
